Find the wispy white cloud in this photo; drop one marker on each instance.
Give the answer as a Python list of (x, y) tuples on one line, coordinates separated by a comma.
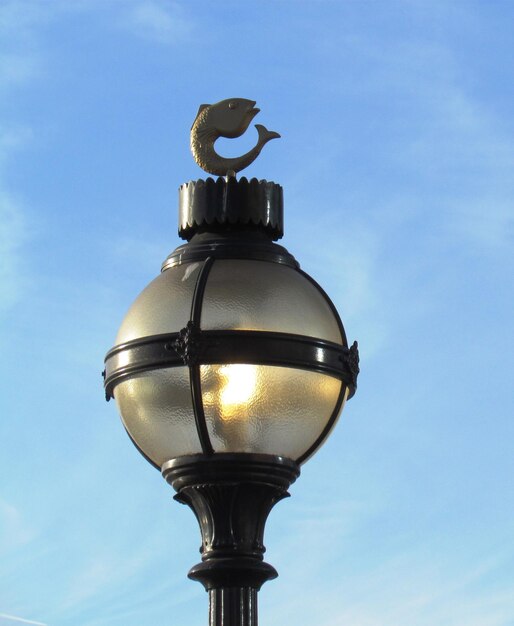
[(18, 60), (19, 65), (22, 57), (4, 618), (469, 157), (143, 252), (161, 22), (107, 570), (15, 531), (487, 222), (11, 139), (455, 156), (88, 582), (407, 589), (452, 147), (16, 69), (18, 16), (13, 228)]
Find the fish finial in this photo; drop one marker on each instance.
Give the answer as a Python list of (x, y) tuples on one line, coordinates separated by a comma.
[(228, 118)]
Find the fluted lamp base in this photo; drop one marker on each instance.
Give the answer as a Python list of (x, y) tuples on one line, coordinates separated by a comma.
[(231, 496)]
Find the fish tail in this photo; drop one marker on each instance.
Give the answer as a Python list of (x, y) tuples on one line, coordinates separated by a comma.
[(265, 135)]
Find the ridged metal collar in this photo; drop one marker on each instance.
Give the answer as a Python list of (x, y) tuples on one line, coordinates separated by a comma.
[(229, 204)]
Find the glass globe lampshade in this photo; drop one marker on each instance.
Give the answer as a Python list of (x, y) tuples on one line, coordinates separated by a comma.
[(231, 349)]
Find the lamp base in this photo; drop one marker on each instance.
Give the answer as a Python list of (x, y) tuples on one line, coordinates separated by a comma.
[(231, 496)]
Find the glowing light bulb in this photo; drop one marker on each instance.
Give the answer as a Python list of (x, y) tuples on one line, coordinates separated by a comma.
[(238, 388)]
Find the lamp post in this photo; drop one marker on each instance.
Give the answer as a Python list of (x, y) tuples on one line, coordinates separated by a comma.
[(232, 366)]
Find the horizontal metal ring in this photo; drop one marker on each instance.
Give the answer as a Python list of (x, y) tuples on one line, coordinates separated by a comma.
[(192, 346)]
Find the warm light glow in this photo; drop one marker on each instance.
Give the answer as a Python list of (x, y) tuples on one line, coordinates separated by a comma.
[(238, 386)]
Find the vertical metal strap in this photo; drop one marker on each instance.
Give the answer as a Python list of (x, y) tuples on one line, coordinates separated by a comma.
[(141, 451), (328, 427), (201, 283), (194, 368), (342, 393), (330, 304)]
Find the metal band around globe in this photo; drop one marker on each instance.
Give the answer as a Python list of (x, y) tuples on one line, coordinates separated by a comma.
[(210, 347)]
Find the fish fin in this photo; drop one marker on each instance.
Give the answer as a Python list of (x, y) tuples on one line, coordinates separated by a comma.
[(265, 135), (201, 108)]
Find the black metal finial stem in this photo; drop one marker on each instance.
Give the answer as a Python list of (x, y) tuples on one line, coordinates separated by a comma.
[(233, 606)]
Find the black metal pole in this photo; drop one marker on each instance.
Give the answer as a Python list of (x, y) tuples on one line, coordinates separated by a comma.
[(233, 605), (231, 496)]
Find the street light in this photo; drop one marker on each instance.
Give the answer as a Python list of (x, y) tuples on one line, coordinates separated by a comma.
[(232, 366)]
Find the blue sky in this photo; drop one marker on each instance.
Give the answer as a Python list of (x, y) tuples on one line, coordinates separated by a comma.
[(396, 157)]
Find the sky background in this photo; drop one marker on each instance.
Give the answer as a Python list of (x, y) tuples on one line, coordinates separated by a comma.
[(397, 158)]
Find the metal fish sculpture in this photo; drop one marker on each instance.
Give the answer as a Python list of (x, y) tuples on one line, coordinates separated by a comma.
[(228, 118)]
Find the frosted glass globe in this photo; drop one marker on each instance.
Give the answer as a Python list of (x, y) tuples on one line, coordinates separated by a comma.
[(248, 407)]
